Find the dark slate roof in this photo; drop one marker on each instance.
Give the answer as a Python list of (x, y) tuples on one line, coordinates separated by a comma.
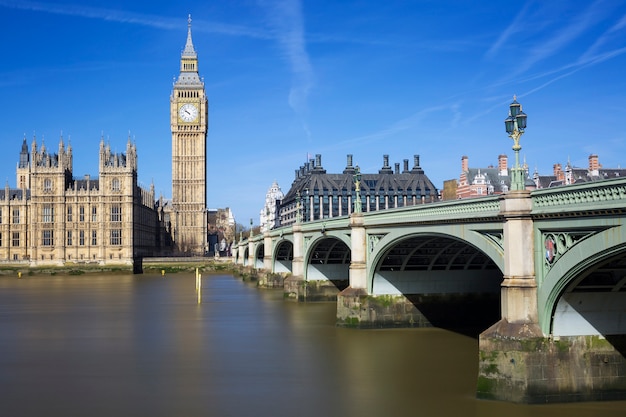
[(14, 193), (546, 181), (48, 159), (409, 182), (583, 175), (93, 184)]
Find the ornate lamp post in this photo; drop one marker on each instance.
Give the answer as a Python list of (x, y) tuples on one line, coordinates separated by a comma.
[(515, 125), (357, 190), (298, 208)]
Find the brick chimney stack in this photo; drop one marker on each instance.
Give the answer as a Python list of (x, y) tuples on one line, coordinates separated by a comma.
[(503, 165), (558, 172), (464, 164), (594, 165)]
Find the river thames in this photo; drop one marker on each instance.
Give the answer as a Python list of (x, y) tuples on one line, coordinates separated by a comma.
[(141, 345)]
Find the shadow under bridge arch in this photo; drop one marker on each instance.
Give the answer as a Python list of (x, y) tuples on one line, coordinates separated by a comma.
[(592, 301), (259, 254), (329, 260), (453, 284), (283, 256)]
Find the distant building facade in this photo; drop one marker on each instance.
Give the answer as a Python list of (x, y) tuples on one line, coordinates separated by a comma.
[(53, 218), (573, 175), (269, 214), (477, 182), (221, 231), (316, 194)]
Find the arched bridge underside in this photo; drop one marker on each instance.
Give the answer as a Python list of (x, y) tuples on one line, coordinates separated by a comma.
[(329, 259), (283, 257), (452, 283), (593, 301)]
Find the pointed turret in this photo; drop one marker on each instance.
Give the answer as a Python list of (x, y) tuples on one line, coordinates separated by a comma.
[(189, 62), (24, 156), (61, 143), (189, 50)]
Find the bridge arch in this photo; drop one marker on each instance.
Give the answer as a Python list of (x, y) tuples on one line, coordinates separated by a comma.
[(328, 258), (283, 256), (259, 254), (484, 241), (584, 291), (245, 255), (453, 283)]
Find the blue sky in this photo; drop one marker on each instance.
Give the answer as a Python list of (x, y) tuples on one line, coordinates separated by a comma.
[(287, 79)]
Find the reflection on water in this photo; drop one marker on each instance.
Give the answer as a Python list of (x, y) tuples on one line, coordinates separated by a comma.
[(141, 346)]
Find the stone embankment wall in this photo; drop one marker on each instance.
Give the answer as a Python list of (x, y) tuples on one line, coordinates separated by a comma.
[(540, 370)]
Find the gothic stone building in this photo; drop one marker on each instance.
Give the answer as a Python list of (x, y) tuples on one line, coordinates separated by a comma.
[(53, 218)]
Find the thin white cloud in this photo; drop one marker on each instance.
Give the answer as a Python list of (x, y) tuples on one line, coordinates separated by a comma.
[(399, 126), (121, 16), (582, 22), (612, 33), (574, 68), (515, 27), (550, 45), (555, 74), (287, 21)]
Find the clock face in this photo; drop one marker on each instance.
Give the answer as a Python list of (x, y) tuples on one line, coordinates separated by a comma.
[(188, 112)]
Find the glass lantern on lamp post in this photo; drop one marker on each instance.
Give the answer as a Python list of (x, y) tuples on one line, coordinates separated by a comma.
[(515, 125)]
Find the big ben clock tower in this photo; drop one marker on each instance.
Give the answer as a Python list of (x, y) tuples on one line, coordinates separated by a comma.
[(189, 113)]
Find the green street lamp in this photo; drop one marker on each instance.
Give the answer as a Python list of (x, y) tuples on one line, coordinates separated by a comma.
[(357, 190), (298, 207), (515, 125)]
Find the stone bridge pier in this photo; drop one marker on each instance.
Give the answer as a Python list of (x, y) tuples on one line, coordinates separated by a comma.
[(517, 361), (295, 286)]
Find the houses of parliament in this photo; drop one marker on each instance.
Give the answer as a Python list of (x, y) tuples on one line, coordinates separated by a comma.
[(54, 218)]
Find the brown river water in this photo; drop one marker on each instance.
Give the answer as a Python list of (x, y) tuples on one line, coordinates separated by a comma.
[(142, 345)]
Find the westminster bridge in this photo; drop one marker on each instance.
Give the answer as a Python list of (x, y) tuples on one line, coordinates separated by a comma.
[(543, 273)]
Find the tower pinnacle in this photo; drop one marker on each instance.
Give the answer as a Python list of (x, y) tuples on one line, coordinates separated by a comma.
[(189, 63), (189, 51)]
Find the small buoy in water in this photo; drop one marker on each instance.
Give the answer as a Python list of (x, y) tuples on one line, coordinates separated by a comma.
[(19, 275), (162, 272)]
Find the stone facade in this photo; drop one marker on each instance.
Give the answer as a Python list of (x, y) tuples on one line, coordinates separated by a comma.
[(268, 216), (189, 112), (53, 218)]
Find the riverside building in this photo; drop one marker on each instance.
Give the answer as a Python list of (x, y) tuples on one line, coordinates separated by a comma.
[(54, 218), (316, 194)]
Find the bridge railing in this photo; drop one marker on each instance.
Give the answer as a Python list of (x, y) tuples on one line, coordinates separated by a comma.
[(569, 200), (472, 209)]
